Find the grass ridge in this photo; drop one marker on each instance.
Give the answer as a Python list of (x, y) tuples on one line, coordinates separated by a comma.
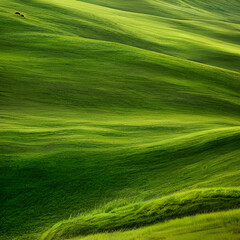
[(141, 214)]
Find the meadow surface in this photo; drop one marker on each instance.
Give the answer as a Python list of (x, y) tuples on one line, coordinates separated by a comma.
[(109, 105)]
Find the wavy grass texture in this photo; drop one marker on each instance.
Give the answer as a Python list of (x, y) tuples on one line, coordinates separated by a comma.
[(141, 214), (108, 103), (221, 225)]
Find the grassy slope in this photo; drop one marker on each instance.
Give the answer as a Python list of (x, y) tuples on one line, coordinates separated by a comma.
[(103, 100), (222, 225), (146, 213)]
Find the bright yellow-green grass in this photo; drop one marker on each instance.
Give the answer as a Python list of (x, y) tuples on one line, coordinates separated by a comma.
[(112, 104), (221, 226), (140, 214)]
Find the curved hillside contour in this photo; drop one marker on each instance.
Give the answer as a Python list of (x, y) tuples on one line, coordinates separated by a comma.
[(145, 213), (220, 225), (116, 103)]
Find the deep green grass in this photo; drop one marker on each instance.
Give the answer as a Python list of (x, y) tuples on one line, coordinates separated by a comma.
[(114, 102)]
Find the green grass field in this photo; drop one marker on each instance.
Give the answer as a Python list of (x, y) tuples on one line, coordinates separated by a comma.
[(119, 115), (222, 226)]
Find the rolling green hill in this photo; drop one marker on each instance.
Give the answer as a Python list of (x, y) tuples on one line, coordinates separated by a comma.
[(109, 105), (222, 225)]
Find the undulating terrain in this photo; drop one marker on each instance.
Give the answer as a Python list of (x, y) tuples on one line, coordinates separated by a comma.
[(119, 116)]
